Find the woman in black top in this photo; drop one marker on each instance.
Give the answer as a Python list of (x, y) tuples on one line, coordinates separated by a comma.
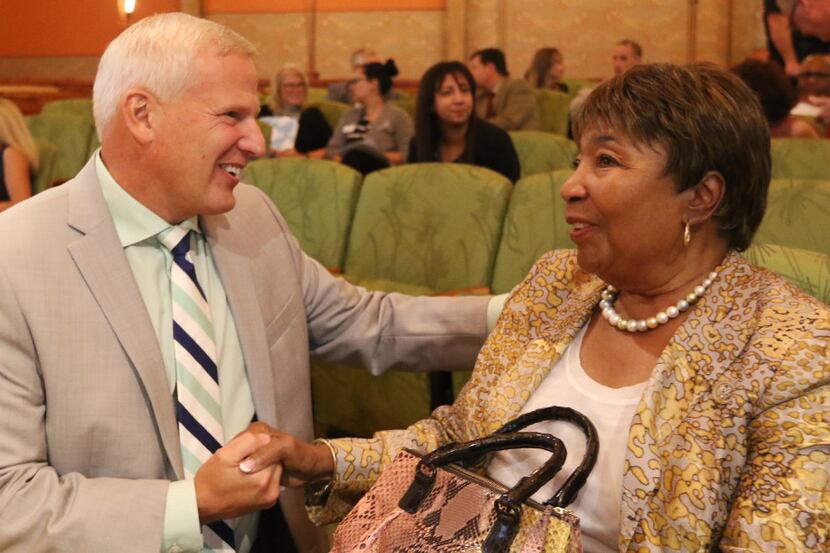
[(446, 128)]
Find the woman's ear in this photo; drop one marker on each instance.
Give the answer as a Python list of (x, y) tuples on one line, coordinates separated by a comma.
[(136, 110), (704, 198)]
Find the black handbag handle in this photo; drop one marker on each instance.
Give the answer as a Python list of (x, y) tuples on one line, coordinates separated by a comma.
[(565, 495), (508, 506)]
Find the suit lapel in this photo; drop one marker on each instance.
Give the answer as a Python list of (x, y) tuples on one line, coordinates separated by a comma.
[(234, 266), (696, 360), (101, 261)]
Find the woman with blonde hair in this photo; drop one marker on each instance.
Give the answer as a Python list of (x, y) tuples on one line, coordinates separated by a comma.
[(18, 156), (546, 70), (295, 128)]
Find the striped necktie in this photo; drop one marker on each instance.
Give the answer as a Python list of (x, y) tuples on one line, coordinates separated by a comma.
[(198, 402)]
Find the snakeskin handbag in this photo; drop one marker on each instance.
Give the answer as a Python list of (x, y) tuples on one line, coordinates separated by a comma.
[(435, 503)]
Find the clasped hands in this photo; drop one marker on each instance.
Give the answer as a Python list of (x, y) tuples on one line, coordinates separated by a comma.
[(246, 474)]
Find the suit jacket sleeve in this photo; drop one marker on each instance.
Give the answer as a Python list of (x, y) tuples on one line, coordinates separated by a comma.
[(380, 331), (41, 508), (518, 110)]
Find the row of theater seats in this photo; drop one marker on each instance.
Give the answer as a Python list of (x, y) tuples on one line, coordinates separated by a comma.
[(451, 229), (65, 134)]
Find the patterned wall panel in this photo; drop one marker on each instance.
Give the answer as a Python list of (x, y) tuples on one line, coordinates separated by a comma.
[(713, 33), (414, 39), (482, 24), (69, 68), (747, 32), (586, 31), (280, 38)]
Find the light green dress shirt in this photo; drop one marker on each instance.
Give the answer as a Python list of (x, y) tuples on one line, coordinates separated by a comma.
[(150, 262)]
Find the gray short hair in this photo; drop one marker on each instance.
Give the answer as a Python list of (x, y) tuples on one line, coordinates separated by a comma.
[(157, 54)]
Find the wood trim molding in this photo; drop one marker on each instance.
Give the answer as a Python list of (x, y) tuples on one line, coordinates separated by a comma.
[(192, 7)]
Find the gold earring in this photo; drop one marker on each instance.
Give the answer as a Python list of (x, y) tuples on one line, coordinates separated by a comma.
[(687, 236)]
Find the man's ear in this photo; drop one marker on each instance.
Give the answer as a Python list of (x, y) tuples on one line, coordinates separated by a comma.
[(704, 198), (137, 108)]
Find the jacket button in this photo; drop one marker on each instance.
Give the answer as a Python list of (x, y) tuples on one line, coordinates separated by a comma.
[(723, 392)]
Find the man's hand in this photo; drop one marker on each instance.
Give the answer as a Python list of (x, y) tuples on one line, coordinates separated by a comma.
[(302, 462), (224, 491)]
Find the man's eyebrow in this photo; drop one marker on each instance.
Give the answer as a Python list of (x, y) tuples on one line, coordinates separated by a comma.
[(603, 138)]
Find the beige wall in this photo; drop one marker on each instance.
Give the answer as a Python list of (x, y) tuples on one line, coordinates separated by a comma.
[(723, 31)]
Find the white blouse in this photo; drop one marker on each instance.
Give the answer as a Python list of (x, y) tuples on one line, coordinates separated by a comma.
[(611, 410)]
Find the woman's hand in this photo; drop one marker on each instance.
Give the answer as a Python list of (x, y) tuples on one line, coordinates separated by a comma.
[(302, 462)]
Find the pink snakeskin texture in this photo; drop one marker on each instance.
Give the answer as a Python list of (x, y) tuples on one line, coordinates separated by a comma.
[(455, 517)]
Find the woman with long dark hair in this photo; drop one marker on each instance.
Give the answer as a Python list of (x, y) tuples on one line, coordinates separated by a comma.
[(447, 129), (546, 70)]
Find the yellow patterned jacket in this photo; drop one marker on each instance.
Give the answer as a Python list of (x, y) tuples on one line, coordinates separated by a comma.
[(730, 444)]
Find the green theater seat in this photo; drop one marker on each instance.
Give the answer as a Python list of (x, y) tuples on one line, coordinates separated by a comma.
[(800, 158), (541, 152), (424, 228), (797, 215), (808, 270), (553, 110), (71, 134), (317, 199), (535, 223)]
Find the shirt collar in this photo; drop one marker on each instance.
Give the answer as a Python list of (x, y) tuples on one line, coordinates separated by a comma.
[(134, 222)]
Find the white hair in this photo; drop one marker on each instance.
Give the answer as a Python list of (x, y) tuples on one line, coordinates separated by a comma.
[(157, 54)]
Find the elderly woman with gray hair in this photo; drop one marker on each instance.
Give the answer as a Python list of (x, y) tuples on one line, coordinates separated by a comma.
[(707, 377)]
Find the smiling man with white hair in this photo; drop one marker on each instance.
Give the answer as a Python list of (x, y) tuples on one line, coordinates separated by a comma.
[(153, 306)]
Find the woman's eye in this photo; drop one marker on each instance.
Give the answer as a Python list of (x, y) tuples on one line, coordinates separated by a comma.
[(576, 162), (604, 160)]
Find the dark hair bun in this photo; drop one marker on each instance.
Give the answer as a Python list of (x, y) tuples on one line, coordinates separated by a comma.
[(391, 68)]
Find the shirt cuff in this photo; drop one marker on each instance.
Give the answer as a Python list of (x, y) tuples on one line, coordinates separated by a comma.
[(182, 531), (494, 307)]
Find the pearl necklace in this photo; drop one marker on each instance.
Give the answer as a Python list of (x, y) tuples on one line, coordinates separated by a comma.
[(606, 304)]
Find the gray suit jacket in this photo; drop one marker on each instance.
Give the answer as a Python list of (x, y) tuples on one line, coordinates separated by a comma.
[(88, 436), (514, 106)]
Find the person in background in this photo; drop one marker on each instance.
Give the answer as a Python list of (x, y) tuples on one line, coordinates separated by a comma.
[(626, 54), (814, 77), (295, 129), (707, 377), (374, 134), (812, 17), (447, 129), (18, 156), (777, 97), (546, 70), (506, 103), (342, 91)]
